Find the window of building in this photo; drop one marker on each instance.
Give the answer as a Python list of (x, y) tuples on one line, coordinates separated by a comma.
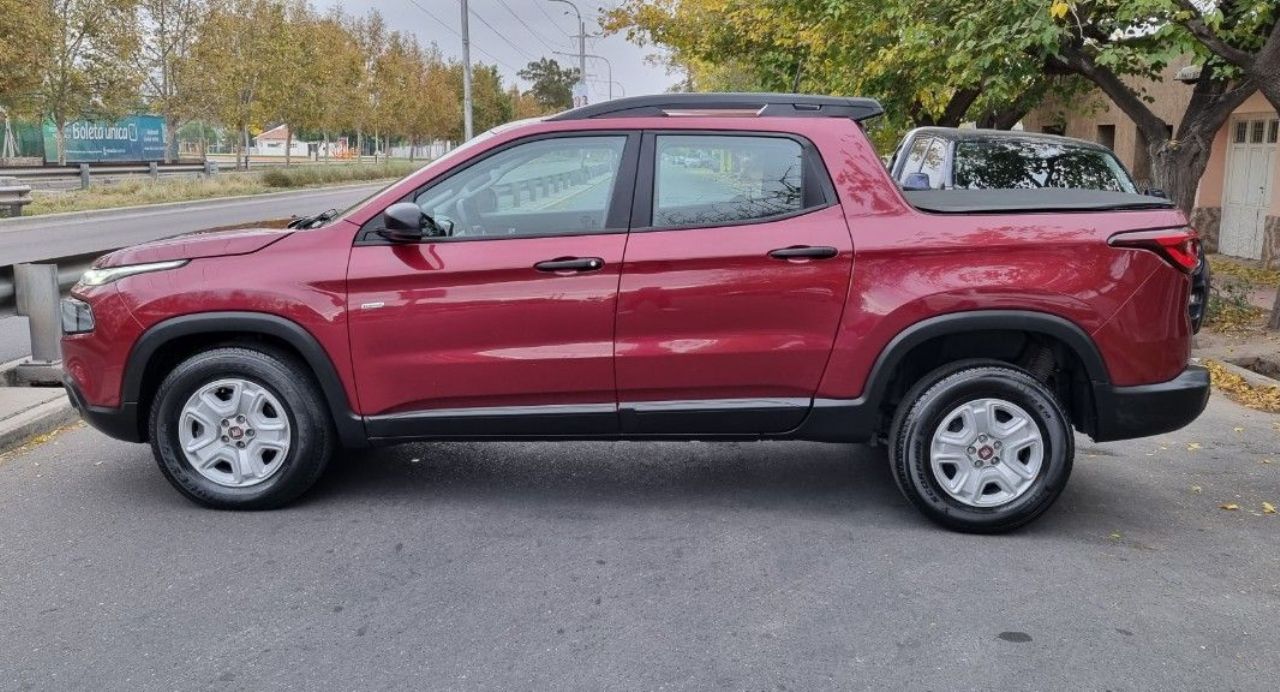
[(1107, 136)]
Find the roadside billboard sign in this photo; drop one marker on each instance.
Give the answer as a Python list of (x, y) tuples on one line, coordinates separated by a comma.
[(136, 138)]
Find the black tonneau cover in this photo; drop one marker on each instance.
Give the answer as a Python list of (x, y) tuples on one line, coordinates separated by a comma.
[(1029, 201)]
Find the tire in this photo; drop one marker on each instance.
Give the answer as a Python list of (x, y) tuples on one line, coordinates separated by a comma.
[(246, 467), (996, 485)]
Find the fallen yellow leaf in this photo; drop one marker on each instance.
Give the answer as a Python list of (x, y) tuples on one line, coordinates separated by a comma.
[(1238, 429), (1229, 506), (1193, 446), (1059, 9), (1268, 508), (1196, 489)]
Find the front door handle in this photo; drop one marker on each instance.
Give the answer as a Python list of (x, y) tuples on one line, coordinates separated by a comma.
[(804, 252), (570, 264)]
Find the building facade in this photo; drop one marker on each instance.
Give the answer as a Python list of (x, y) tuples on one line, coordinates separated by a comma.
[(1237, 208)]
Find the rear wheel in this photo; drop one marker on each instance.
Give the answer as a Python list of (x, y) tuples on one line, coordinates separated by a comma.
[(981, 446), (237, 428)]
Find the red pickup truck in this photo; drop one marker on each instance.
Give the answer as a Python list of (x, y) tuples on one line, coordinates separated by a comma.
[(675, 267)]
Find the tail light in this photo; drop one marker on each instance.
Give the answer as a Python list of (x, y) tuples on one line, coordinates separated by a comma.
[(1178, 246)]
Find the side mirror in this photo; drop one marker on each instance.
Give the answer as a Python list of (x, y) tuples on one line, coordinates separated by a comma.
[(917, 181), (405, 223)]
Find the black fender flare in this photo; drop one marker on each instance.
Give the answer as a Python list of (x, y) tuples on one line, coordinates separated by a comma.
[(1059, 328), (349, 426), (857, 419)]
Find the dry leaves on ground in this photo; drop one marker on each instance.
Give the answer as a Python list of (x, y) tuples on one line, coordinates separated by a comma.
[(1264, 398)]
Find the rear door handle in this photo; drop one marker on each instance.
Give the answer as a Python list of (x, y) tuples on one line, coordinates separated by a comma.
[(570, 264), (804, 252)]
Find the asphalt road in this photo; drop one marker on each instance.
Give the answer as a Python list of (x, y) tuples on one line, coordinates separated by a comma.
[(761, 566), (32, 239)]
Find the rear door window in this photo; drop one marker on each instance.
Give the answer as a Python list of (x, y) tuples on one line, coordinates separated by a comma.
[(717, 180)]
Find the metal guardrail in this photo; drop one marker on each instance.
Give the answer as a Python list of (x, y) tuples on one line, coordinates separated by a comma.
[(72, 172), (532, 189), (56, 177), (69, 271)]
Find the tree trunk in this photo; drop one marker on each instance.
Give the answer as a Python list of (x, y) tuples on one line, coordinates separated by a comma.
[(954, 112), (1176, 167), (1003, 119), (326, 146), (1273, 322), (170, 139), (288, 146), (62, 141), (244, 139)]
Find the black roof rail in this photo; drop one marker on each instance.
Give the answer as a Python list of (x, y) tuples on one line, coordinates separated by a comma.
[(763, 105)]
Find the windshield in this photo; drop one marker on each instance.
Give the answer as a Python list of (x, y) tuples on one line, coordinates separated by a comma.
[(1002, 164)]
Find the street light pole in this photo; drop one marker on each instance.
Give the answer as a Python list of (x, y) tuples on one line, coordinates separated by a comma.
[(466, 74), (582, 41)]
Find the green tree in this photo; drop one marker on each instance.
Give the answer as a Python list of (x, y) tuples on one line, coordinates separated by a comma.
[(908, 54), (552, 84), (490, 104), (237, 65), (370, 34), (169, 31), (26, 29), (950, 61), (89, 67), (338, 70), (435, 107)]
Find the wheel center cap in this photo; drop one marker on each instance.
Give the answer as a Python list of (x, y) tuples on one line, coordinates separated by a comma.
[(235, 432), (985, 453)]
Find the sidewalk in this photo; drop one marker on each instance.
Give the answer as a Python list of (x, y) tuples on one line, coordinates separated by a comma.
[(29, 411)]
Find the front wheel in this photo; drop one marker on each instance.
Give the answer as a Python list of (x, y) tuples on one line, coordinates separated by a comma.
[(238, 428), (980, 446)]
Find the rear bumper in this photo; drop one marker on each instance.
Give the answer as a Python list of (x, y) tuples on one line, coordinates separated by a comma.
[(120, 423), (1150, 409)]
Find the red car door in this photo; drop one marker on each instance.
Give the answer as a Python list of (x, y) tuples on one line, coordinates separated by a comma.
[(505, 325), (734, 280)]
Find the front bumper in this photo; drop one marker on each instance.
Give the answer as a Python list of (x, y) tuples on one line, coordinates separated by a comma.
[(120, 423), (1151, 409)]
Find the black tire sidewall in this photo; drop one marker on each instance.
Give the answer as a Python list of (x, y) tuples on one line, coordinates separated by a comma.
[(933, 398), (310, 430)]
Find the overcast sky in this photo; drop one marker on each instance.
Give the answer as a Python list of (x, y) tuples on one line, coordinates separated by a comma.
[(520, 31)]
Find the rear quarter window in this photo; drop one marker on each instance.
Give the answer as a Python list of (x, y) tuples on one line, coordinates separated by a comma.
[(1029, 165)]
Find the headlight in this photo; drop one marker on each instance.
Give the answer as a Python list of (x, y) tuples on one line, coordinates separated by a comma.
[(77, 316), (98, 277)]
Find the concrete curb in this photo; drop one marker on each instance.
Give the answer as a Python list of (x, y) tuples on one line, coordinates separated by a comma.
[(1255, 379), (37, 420)]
